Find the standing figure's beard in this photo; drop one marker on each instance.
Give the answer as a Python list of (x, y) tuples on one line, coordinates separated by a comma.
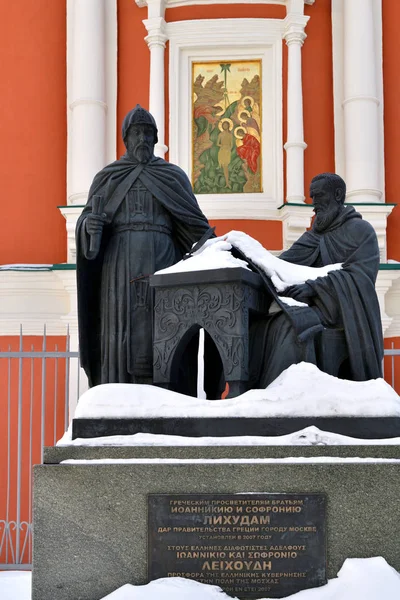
[(141, 153), (324, 217)]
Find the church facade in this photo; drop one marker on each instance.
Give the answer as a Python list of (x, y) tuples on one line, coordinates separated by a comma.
[(291, 87), (252, 99)]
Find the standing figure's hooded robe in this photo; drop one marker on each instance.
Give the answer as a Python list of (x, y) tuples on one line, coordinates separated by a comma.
[(152, 219), (345, 299)]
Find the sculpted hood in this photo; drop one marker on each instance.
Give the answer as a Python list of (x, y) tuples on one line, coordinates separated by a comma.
[(139, 116)]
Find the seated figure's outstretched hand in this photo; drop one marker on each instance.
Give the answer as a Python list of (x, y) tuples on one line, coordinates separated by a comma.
[(301, 292)]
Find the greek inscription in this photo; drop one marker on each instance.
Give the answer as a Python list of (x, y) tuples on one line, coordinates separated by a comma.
[(249, 544)]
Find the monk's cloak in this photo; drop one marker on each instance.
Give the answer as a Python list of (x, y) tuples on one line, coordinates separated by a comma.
[(346, 299), (170, 187)]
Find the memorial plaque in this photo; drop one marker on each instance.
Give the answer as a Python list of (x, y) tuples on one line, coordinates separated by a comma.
[(251, 545)]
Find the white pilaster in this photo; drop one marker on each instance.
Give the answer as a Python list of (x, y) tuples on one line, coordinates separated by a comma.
[(91, 100), (156, 40), (294, 35), (361, 103), (87, 97)]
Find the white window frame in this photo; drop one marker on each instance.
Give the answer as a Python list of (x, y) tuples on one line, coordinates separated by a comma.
[(229, 39)]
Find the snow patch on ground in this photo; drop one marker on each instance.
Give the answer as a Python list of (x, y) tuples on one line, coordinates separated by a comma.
[(301, 390), (15, 585), (358, 579)]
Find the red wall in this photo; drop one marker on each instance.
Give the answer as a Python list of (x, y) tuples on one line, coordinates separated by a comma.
[(391, 89), (317, 66), (268, 233), (33, 131), (133, 63)]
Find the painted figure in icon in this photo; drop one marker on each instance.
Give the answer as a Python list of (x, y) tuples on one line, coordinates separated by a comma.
[(225, 144)]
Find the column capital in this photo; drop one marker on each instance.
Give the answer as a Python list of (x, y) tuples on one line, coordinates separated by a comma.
[(156, 28), (294, 26)]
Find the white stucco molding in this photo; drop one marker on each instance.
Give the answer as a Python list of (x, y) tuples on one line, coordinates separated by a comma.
[(229, 39), (296, 219), (32, 299), (376, 214), (71, 214), (388, 290), (180, 3), (70, 318), (392, 301)]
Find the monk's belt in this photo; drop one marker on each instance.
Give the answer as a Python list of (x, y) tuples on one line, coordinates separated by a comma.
[(141, 227)]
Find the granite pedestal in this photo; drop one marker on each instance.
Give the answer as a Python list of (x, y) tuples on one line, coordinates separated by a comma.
[(90, 519)]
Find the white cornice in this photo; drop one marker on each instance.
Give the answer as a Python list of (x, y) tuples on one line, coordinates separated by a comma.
[(201, 32), (178, 3), (33, 299)]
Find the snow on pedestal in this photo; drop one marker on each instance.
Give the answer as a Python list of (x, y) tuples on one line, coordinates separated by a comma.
[(301, 390)]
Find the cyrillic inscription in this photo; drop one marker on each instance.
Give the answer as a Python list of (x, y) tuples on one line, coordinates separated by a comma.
[(251, 545)]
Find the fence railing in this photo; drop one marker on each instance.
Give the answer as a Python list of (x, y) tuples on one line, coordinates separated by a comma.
[(389, 366), (34, 412), (35, 388)]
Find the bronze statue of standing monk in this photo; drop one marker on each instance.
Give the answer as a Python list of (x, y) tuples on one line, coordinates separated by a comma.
[(141, 216)]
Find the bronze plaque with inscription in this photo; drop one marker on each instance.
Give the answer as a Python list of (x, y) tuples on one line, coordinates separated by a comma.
[(251, 545)]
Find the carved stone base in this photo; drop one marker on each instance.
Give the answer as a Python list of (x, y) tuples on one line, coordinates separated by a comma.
[(220, 302)]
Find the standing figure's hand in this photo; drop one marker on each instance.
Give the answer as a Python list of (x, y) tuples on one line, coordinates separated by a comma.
[(94, 223)]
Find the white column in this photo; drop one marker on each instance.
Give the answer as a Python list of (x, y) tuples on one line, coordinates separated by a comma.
[(294, 36), (156, 40), (361, 103), (87, 99)]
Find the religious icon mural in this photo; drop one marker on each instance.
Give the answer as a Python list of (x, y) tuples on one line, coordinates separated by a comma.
[(227, 127)]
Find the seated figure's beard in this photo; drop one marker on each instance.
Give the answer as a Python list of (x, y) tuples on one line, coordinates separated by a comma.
[(324, 217)]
